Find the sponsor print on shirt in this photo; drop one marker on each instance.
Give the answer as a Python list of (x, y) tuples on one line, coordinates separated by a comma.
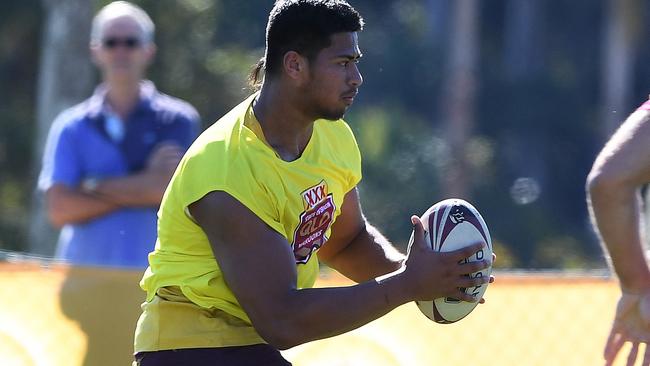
[(314, 222)]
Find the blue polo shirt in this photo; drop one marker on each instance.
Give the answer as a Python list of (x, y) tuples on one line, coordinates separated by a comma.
[(86, 142)]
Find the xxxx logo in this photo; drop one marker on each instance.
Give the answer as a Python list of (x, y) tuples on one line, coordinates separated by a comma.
[(314, 195), (314, 222)]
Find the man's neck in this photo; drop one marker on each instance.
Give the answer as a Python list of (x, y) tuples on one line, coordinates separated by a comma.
[(122, 97), (286, 127)]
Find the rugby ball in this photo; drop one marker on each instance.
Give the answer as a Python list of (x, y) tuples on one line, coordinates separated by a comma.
[(449, 225)]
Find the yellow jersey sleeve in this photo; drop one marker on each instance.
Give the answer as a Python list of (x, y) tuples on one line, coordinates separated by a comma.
[(210, 168)]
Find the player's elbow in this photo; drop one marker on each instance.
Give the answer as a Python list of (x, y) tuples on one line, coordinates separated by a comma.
[(281, 327), (281, 334), (281, 340)]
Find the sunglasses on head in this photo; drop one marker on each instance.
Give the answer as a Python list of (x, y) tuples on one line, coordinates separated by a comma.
[(128, 42)]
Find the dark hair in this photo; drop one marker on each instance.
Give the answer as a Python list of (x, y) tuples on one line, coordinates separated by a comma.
[(303, 26)]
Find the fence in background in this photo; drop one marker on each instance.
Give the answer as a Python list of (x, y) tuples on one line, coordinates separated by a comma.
[(51, 314)]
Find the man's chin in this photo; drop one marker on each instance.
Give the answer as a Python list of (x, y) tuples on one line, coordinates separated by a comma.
[(124, 75), (334, 115), (332, 118), (124, 69)]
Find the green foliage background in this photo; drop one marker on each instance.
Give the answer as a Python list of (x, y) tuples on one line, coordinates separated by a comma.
[(542, 125)]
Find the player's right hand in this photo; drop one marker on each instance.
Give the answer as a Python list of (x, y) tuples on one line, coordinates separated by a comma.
[(430, 275)]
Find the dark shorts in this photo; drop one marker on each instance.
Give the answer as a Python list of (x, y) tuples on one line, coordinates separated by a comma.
[(255, 355)]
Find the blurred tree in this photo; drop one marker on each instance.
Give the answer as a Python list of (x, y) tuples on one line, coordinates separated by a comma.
[(539, 78), (19, 40), (438, 11), (65, 78), (622, 36), (523, 47), (459, 91), (205, 50)]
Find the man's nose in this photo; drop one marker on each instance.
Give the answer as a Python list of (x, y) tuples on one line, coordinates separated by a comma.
[(355, 76)]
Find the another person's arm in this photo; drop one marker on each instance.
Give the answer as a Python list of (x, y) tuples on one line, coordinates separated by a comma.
[(613, 185), (259, 267), (67, 205), (144, 188), (61, 175), (619, 171)]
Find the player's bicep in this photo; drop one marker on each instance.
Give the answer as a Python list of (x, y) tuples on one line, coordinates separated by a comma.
[(256, 261), (348, 225), (626, 156)]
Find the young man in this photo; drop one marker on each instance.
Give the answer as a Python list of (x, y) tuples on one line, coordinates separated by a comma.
[(614, 183), (108, 160), (261, 197)]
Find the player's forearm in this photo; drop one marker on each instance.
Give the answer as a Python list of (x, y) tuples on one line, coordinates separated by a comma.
[(317, 313), (140, 189), (615, 211), (369, 255), (68, 206)]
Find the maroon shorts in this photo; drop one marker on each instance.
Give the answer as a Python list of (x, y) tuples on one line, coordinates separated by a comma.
[(258, 354)]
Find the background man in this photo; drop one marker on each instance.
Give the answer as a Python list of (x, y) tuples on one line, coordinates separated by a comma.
[(108, 160)]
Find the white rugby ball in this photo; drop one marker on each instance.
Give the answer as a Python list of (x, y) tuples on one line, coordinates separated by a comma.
[(449, 225)]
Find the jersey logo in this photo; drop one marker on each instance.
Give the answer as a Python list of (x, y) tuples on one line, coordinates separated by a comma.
[(314, 222)]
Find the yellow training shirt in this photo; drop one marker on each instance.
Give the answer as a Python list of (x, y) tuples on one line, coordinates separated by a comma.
[(188, 303)]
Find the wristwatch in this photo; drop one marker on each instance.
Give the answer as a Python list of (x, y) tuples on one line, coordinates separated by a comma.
[(89, 185)]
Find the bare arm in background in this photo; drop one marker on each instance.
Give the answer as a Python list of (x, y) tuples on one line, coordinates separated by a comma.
[(67, 205), (613, 185)]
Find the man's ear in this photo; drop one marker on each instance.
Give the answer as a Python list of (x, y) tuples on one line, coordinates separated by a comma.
[(94, 53), (295, 65), (151, 51)]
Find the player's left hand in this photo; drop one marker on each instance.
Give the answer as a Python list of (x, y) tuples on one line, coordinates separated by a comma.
[(631, 324), (494, 257)]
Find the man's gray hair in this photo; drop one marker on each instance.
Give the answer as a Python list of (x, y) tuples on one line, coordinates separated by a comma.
[(119, 9)]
